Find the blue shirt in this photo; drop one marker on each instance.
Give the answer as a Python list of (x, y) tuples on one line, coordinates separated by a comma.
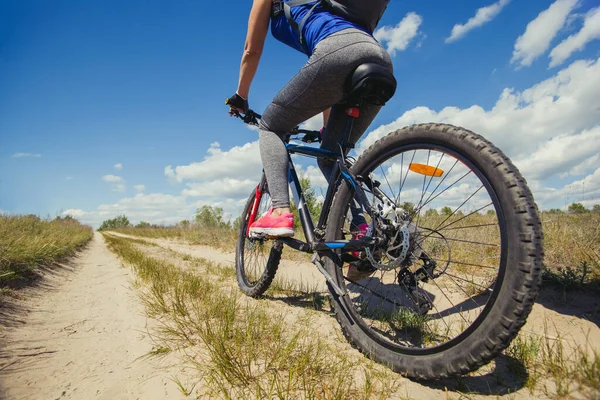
[(320, 24)]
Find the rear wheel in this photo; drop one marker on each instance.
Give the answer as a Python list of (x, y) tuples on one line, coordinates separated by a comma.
[(459, 261), (256, 260)]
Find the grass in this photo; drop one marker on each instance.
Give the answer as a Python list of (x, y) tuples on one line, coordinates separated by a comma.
[(27, 242), (571, 245), (222, 238), (547, 365), (572, 250), (243, 348), (555, 367)]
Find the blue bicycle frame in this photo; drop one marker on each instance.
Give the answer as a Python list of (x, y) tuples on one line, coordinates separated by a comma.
[(340, 173)]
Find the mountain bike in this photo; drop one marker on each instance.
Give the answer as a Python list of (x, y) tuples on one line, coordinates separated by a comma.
[(451, 261)]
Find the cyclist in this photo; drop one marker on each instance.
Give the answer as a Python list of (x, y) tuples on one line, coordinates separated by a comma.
[(335, 48)]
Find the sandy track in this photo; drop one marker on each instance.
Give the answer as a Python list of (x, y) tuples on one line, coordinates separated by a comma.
[(576, 322), (82, 338), (85, 330)]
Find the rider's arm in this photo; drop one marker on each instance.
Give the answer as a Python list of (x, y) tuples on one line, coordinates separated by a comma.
[(258, 26)]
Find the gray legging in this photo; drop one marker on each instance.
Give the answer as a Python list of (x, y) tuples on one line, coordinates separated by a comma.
[(317, 86)]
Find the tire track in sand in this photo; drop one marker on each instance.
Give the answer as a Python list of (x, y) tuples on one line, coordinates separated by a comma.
[(84, 338)]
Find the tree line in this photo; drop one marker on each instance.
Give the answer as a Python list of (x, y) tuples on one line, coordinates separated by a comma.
[(213, 217)]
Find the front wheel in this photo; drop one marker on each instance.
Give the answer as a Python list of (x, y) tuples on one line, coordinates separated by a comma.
[(458, 262), (256, 260)]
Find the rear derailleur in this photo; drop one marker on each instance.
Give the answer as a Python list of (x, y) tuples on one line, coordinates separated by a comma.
[(410, 280)]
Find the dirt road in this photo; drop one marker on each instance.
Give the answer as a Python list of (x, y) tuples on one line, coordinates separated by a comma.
[(81, 333), (82, 337)]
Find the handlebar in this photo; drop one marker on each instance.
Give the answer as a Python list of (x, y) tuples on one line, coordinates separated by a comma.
[(251, 118)]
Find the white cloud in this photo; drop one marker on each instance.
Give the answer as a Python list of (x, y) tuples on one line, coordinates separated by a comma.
[(315, 123), (231, 207), (586, 165), (112, 178), (118, 184), (551, 158), (585, 191), (21, 155), (482, 16), (74, 212), (241, 162), (227, 187), (540, 32), (549, 116), (156, 208), (398, 38), (317, 180), (141, 201), (118, 166), (140, 188), (590, 31), (69, 178)]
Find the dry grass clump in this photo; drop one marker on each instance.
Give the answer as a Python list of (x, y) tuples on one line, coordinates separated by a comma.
[(571, 243), (556, 367), (243, 348), (27, 241), (223, 238), (572, 249)]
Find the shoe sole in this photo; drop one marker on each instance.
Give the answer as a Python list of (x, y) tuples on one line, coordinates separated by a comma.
[(275, 232)]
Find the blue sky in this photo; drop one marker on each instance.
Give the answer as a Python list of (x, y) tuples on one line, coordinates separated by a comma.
[(110, 107)]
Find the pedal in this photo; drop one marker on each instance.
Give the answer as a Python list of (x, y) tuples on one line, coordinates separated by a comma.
[(258, 236)]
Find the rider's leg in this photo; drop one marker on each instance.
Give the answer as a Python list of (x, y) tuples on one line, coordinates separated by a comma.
[(334, 131), (316, 87), (332, 135)]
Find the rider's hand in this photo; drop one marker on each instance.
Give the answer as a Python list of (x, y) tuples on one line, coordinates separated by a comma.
[(238, 102)]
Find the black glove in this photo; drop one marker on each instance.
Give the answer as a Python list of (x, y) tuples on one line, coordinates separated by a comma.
[(238, 102)]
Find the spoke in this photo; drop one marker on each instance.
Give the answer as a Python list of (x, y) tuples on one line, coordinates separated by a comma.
[(466, 216), (381, 301), (440, 182), (437, 230), (459, 207), (468, 226), (464, 263), (460, 287), (375, 294), (471, 282), (405, 176), (401, 166), (463, 290), (386, 180), (446, 296), (424, 179), (463, 241), (436, 169), (440, 193), (417, 209)]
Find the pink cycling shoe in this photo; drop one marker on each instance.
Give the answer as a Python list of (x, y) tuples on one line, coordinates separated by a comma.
[(359, 234), (362, 268), (271, 225)]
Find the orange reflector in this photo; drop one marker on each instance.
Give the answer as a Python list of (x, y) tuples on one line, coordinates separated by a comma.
[(427, 170)]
